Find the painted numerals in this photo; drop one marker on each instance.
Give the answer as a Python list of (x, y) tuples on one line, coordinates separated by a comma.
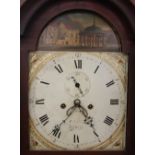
[(56, 131), (78, 64), (40, 101), (110, 83), (44, 119), (108, 120), (82, 125), (76, 138), (58, 68)]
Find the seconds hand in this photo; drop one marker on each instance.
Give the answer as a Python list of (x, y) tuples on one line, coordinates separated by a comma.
[(77, 85)]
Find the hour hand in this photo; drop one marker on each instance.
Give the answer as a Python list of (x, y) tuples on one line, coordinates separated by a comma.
[(70, 110), (83, 111)]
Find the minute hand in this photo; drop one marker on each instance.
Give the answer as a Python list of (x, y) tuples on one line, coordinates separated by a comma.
[(69, 112), (89, 121)]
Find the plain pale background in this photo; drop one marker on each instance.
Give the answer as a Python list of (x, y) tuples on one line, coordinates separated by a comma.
[(10, 77)]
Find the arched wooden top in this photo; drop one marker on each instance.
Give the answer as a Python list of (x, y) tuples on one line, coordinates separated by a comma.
[(118, 13)]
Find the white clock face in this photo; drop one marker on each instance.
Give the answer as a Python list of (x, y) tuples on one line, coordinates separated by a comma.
[(77, 101)]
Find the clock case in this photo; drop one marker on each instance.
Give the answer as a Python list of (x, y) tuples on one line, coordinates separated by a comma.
[(35, 16)]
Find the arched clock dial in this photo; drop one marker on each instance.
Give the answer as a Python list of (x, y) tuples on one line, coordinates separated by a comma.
[(77, 101)]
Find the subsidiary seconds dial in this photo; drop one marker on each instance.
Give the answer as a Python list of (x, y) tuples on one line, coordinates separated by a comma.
[(76, 100)]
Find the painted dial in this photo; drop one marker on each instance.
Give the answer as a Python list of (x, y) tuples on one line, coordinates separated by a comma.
[(76, 102)]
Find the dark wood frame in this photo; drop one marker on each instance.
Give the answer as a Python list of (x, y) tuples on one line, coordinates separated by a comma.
[(35, 15)]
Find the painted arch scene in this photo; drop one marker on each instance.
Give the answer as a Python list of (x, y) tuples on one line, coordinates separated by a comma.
[(80, 31)]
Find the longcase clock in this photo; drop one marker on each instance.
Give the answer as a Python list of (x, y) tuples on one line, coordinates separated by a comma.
[(77, 77)]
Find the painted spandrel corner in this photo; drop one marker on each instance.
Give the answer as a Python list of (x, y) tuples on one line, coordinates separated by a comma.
[(81, 30)]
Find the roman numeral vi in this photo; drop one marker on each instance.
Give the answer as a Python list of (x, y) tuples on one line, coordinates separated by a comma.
[(76, 138)]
